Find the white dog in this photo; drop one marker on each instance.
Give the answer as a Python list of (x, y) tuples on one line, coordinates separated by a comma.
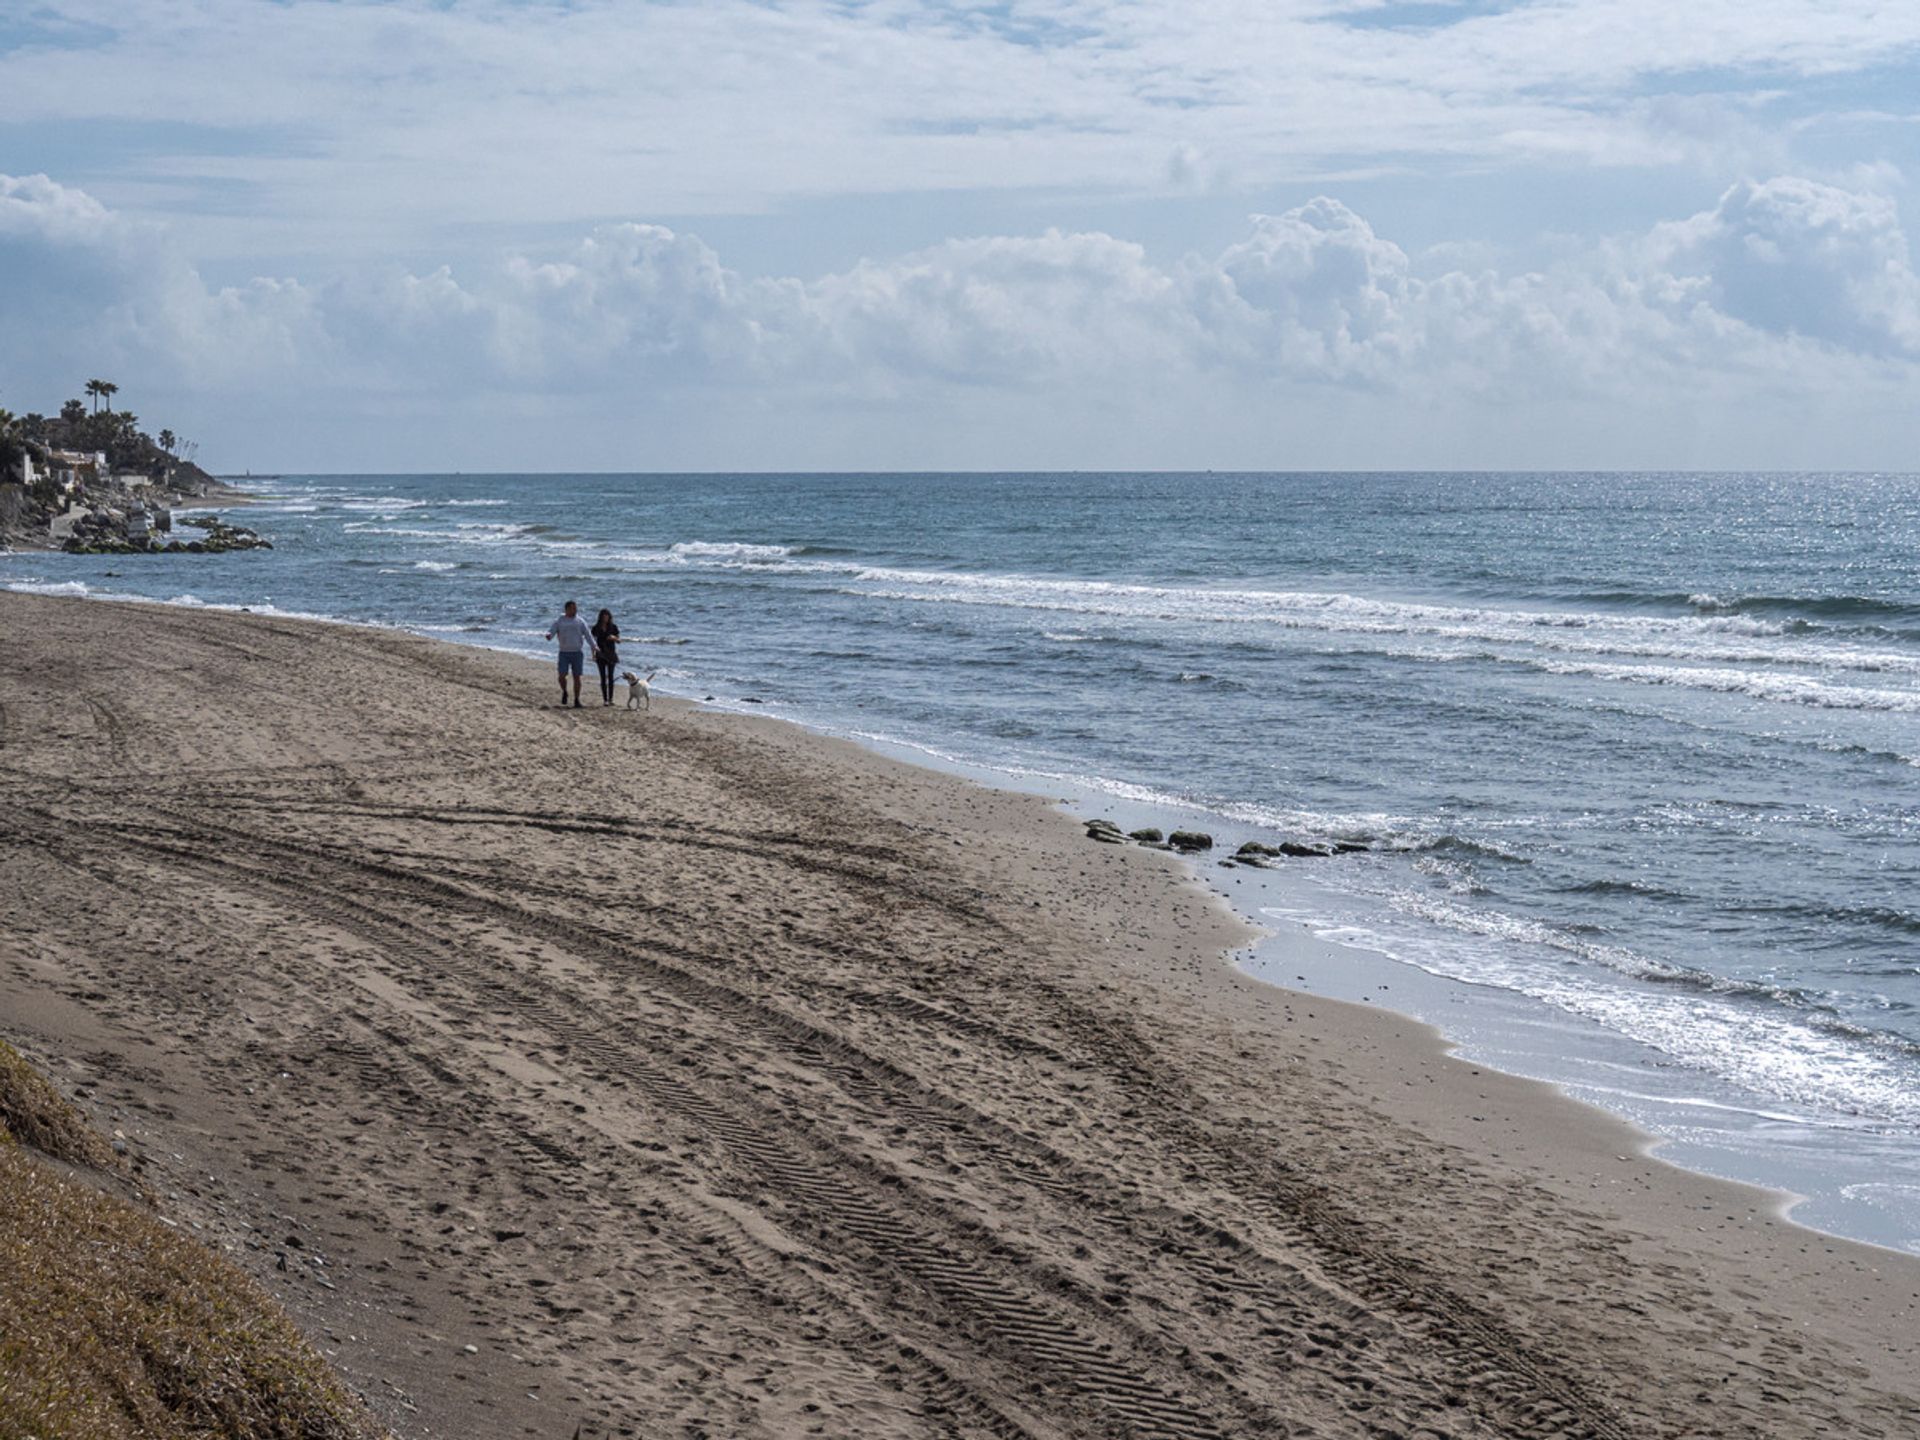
[(638, 695)]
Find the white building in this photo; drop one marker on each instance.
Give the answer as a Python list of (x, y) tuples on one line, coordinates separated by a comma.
[(69, 468)]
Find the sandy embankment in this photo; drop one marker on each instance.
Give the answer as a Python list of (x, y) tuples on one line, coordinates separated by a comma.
[(690, 1075)]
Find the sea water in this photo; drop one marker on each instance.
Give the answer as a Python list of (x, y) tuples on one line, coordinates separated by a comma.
[(1636, 756)]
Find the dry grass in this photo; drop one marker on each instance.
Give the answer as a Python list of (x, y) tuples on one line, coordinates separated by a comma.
[(115, 1326), (34, 1113)]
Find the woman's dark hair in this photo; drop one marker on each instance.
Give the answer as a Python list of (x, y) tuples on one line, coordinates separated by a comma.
[(605, 618)]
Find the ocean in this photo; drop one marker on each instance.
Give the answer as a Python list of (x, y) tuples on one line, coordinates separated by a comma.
[(1636, 756)]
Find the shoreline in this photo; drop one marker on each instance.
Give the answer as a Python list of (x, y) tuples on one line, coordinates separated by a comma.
[(639, 1033), (1504, 1030), (1505, 1024), (1500, 1039)]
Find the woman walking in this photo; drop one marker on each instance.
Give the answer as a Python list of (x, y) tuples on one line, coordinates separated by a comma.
[(606, 653)]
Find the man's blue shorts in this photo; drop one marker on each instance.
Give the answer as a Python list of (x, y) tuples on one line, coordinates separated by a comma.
[(570, 660)]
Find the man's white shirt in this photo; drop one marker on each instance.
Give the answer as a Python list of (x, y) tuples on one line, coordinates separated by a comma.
[(572, 632)]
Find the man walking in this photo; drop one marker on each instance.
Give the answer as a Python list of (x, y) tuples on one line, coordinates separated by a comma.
[(574, 635)]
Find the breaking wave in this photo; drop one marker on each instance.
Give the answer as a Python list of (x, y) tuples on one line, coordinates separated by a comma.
[(729, 550), (1788, 1042)]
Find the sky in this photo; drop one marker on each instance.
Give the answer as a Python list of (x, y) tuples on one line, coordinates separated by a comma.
[(404, 235)]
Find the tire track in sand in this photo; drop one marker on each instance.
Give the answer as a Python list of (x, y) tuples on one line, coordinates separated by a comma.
[(1509, 1388)]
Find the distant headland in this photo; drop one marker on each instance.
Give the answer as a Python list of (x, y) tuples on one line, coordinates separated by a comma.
[(89, 480)]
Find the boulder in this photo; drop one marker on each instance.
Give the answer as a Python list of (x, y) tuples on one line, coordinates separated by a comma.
[(1148, 836), (1187, 841), (1254, 847), (1305, 852), (220, 537)]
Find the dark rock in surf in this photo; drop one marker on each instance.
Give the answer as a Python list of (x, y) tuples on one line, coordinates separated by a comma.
[(1188, 841), (1148, 836)]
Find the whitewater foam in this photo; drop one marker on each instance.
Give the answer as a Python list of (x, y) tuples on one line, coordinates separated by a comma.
[(74, 588), (729, 550), (1767, 1048)]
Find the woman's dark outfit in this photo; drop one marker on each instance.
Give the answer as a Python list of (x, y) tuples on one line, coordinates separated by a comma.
[(606, 654)]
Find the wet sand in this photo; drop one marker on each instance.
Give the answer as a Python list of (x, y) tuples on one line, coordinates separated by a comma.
[(684, 1074)]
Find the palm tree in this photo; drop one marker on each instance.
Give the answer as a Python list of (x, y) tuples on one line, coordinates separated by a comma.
[(166, 441), (102, 391)]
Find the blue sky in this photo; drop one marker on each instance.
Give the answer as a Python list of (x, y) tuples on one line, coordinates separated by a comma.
[(836, 234)]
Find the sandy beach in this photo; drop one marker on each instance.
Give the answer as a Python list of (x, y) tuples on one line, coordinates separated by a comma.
[(586, 1072)]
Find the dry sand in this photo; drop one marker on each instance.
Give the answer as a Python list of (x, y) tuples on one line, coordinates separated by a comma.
[(684, 1075)]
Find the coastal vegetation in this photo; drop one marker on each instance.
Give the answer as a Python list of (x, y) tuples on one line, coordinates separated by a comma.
[(101, 430), (118, 1325)]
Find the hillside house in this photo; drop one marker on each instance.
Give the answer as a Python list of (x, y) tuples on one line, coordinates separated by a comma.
[(70, 469)]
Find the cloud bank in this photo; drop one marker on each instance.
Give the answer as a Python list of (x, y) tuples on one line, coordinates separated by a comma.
[(1784, 291)]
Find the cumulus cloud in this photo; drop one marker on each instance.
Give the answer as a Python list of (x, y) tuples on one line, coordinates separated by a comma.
[(1791, 256), (58, 243), (1003, 310), (1318, 294), (1786, 278), (87, 285)]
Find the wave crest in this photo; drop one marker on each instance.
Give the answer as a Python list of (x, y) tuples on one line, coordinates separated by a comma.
[(729, 550)]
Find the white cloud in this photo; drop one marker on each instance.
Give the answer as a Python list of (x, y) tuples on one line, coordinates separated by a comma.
[(1783, 288), (361, 120), (84, 285), (1795, 257), (1318, 294), (1002, 310)]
